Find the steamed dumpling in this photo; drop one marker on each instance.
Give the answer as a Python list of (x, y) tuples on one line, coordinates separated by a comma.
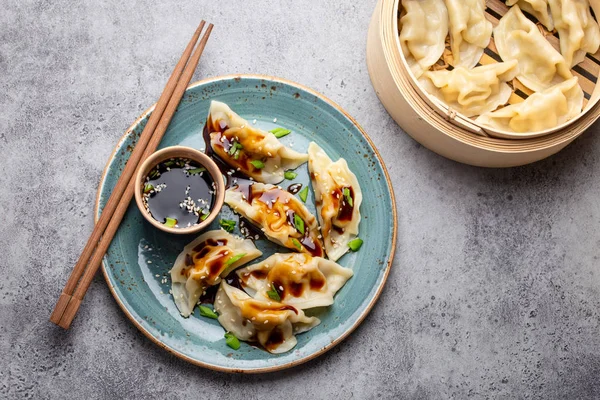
[(204, 262), (471, 92), (270, 323), (470, 31), (279, 214), (256, 153), (540, 65), (338, 199), (424, 27), (578, 31), (540, 111), (299, 279), (538, 8)]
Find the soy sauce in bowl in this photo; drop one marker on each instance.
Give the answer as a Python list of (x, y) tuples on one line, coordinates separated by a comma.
[(179, 190), (179, 193)]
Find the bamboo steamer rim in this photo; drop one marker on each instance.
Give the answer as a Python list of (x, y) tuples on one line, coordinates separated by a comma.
[(468, 134)]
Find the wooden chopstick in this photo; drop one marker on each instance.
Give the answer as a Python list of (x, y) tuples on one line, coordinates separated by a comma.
[(73, 294)]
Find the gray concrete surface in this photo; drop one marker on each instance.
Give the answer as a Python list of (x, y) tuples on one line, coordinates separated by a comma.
[(494, 292)]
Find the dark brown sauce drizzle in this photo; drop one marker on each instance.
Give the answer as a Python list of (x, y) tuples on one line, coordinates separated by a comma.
[(209, 296), (346, 210), (294, 188), (275, 339), (268, 198), (209, 128)]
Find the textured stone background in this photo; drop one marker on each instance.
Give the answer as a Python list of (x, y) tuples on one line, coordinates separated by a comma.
[(494, 291)]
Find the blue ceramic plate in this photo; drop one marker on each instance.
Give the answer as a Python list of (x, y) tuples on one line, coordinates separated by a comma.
[(137, 263)]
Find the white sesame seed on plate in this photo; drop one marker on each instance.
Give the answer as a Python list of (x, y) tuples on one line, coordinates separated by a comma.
[(274, 119), (149, 262), (254, 121)]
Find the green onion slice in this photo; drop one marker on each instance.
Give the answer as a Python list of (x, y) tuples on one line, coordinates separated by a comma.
[(170, 222), (196, 170), (234, 259), (232, 341), (257, 164), (148, 188), (227, 224), (299, 223), (273, 294), (347, 196), (289, 175), (355, 244), (303, 194), (280, 132), (296, 244), (208, 312)]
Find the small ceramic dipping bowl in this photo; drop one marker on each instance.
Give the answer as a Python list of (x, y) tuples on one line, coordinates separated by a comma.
[(174, 183)]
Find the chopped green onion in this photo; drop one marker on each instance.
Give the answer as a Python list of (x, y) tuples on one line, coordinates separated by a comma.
[(355, 244), (234, 259), (257, 164), (289, 175), (299, 223), (296, 244), (348, 197), (170, 222), (232, 341), (154, 174), (196, 170), (169, 163), (273, 294), (148, 188), (235, 147), (303, 194), (236, 155), (204, 216), (208, 312), (227, 224), (280, 132)]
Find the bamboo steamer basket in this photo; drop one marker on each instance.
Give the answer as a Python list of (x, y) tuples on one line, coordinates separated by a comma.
[(440, 129)]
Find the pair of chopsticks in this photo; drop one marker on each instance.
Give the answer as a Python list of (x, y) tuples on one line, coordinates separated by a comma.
[(112, 214)]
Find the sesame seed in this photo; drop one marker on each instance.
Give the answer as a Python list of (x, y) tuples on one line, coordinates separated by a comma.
[(274, 119), (254, 121), (149, 262), (266, 321)]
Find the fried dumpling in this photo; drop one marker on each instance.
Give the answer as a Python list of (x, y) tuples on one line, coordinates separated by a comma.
[(299, 280), (204, 262), (540, 111), (538, 8), (540, 65), (272, 324), (279, 214), (578, 31), (470, 31), (338, 197), (471, 91), (423, 31), (256, 153)]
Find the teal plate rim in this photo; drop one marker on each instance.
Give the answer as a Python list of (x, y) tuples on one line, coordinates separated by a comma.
[(362, 314)]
